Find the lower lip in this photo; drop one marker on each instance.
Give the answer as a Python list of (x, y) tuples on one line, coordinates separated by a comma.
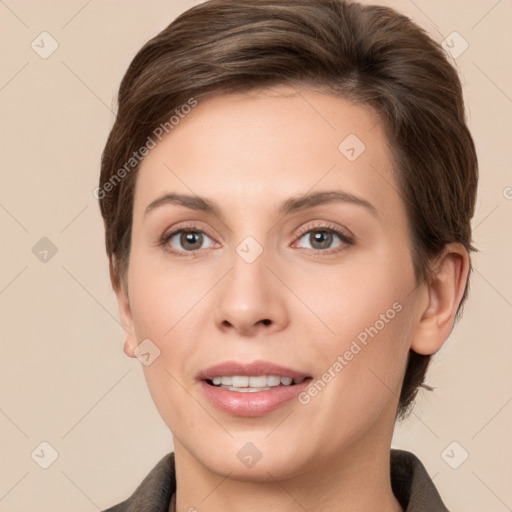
[(252, 404)]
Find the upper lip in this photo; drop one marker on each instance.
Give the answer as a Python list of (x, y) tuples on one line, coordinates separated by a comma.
[(254, 368)]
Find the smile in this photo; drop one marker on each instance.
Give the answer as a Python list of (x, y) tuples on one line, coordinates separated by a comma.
[(252, 383), (251, 389)]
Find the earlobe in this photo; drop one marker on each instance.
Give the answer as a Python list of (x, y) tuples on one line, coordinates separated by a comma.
[(444, 292), (130, 343), (126, 317), (129, 347)]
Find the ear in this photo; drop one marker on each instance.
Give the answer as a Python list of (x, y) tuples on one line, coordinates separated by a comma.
[(443, 294), (125, 314)]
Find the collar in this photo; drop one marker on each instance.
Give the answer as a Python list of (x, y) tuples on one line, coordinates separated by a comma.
[(410, 482)]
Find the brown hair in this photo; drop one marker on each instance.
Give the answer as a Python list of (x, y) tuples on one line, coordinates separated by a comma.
[(368, 54)]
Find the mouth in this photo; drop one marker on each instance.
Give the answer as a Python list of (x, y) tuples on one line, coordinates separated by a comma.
[(251, 389)]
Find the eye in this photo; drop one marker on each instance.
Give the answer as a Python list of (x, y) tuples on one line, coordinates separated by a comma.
[(325, 239), (322, 238), (187, 240)]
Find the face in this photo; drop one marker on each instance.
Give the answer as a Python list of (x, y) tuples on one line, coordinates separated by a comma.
[(268, 241)]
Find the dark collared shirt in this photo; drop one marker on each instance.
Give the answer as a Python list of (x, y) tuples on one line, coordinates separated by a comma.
[(411, 485)]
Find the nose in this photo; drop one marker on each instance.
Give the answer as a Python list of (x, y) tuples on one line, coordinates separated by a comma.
[(251, 299)]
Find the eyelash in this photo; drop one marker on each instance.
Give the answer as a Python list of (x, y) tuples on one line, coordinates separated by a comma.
[(346, 240)]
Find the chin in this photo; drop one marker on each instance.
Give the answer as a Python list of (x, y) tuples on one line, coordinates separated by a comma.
[(251, 458)]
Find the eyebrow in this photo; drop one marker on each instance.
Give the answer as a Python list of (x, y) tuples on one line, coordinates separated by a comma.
[(291, 205)]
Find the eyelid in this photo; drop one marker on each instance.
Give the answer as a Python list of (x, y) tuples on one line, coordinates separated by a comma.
[(187, 226), (327, 226)]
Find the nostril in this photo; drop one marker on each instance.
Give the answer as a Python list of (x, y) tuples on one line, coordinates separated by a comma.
[(266, 321)]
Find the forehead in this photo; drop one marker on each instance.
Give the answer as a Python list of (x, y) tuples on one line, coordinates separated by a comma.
[(261, 147)]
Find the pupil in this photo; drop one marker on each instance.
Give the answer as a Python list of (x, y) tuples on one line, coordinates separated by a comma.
[(191, 240), (323, 238)]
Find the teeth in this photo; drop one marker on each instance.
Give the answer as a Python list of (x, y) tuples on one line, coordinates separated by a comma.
[(257, 382), (239, 382), (249, 384), (273, 380)]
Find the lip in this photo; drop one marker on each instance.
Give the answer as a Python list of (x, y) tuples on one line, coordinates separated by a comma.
[(255, 368), (256, 403)]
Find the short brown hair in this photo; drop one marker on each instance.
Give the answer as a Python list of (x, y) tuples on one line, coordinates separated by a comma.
[(371, 55)]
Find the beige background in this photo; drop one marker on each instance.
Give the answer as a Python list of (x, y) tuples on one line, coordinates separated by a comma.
[(63, 376)]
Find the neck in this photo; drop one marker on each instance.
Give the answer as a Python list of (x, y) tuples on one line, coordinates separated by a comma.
[(357, 480)]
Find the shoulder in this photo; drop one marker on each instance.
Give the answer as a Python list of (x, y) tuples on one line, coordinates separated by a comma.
[(412, 485), (154, 492)]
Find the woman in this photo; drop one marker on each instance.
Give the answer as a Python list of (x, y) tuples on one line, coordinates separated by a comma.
[(287, 194)]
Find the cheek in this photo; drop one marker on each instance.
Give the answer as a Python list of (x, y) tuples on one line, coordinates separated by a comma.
[(360, 296), (168, 307), (164, 307), (163, 298), (360, 372), (370, 332), (369, 309)]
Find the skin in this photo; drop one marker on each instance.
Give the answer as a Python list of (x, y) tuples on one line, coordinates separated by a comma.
[(248, 153)]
